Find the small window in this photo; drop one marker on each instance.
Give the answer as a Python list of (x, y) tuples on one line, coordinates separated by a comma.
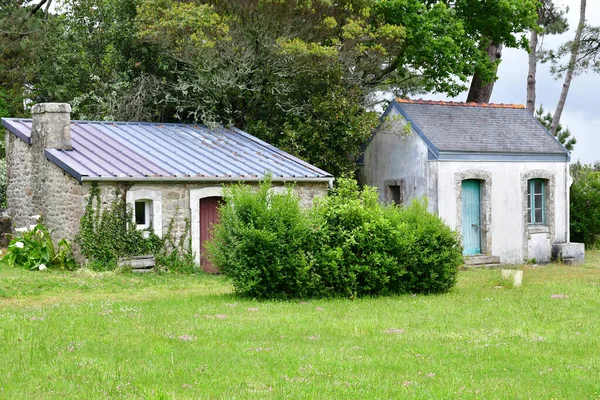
[(394, 192), (143, 216), (536, 193)]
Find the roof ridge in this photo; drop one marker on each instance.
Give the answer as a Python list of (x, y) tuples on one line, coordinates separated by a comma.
[(460, 103)]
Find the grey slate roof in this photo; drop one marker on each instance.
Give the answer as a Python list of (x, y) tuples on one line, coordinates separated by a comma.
[(147, 151), (479, 128)]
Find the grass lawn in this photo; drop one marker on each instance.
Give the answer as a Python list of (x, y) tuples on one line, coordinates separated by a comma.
[(90, 336)]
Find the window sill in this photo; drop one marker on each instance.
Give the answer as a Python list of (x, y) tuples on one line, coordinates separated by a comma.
[(538, 228)]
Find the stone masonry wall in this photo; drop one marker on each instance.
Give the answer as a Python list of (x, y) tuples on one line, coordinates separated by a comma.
[(21, 204), (176, 207), (38, 187), (176, 199)]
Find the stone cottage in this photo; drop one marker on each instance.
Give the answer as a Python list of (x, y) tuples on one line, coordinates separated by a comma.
[(491, 171), (169, 171)]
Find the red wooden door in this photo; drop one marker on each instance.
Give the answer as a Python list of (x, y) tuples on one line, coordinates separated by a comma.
[(209, 216)]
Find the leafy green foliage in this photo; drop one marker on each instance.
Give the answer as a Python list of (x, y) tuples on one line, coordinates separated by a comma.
[(387, 249), (585, 205), (176, 255), (107, 235), (300, 75), (562, 134), (261, 243), (436, 252), (22, 29), (95, 61), (347, 245), (35, 250), (588, 54)]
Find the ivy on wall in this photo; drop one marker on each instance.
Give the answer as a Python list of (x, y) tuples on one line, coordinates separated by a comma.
[(105, 235)]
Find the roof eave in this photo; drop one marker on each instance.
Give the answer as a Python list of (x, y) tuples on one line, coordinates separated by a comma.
[(433, 150), (194, 179), (6, 123), (504, 157)]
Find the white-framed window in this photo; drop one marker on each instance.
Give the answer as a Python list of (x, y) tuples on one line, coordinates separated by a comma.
[(143, 214), (147, 208)]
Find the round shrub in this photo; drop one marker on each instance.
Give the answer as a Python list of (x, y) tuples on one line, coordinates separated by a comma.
[(263, 243), (362, 252), (348, 244), (435, 250)]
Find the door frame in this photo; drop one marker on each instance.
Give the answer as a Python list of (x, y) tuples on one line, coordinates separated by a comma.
[(473, 231), (485, 199), (195, 196)]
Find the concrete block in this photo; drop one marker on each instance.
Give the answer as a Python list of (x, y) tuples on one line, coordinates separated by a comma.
[(572, 261), (569, 250), (138, 262)]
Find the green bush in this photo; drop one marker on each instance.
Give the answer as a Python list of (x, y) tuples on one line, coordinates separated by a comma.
[(585, 207), (348, 244), (35, 250), (387, 249), (435, 250), (263, 242), (361, 251)]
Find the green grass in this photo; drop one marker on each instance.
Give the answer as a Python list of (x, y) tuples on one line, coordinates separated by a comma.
[(88, 336)]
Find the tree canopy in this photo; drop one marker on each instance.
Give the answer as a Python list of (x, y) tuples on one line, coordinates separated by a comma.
[(302, 75)]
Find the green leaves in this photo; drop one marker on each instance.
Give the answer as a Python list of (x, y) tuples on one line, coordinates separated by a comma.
[(35, 250), (347, 245), (585, 205), (563, 135)]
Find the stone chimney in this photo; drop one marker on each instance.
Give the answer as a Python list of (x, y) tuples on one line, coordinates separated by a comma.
[(51, 126)]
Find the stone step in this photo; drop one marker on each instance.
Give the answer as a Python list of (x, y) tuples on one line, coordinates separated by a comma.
[(572, 261), (482, 260)]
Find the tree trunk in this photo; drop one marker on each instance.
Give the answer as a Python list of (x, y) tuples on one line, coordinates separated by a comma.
[(530, 105), (481, 91), (570, 70)]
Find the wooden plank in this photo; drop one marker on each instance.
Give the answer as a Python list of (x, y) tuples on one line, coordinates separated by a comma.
[(143, 262)]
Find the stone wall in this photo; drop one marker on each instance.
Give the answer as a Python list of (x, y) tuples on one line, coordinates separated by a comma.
[(20, 199), (36, 186), (180, 202)]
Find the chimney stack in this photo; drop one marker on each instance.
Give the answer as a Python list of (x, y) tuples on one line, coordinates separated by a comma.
[(51, 125)]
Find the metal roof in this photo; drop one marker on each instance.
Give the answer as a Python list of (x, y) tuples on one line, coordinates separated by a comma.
[(156, 151), (479, 128)]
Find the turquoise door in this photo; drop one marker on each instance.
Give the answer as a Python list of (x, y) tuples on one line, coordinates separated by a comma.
[(471, 213)]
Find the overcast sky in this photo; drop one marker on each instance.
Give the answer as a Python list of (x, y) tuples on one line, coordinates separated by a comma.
[(582, 110)]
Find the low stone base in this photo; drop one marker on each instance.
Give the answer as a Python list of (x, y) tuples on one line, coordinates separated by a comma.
[(574, 252), (482, 260), (572, 261)]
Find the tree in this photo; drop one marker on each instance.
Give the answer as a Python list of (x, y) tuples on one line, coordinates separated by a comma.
[(570, 69), (300, 75), (94, 60), (22, 24), (585, 205), (562, 135), (494, 24), (551, 21)]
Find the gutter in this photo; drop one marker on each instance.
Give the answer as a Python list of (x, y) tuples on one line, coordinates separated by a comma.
[(144, 179)]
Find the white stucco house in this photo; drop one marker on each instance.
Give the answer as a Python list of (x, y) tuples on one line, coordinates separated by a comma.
[(490, 171)]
